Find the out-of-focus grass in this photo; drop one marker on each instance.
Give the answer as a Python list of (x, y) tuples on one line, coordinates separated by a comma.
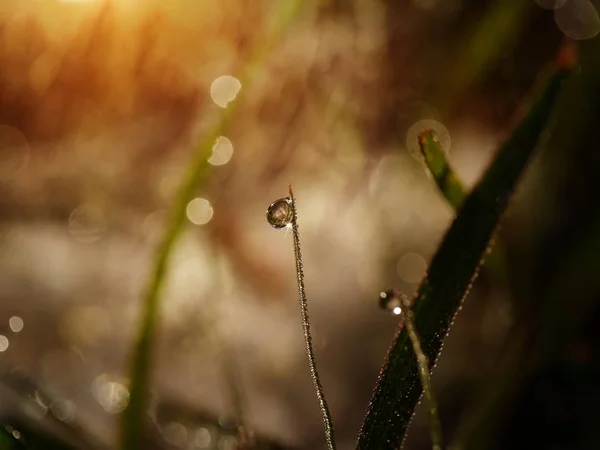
[(451, 274), (132, 422), (539, 337), (494, 33)]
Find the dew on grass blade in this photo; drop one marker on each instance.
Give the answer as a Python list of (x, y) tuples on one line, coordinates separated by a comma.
[(280, 213), (391, 301)]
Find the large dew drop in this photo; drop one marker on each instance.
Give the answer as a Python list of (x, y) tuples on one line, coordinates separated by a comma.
[(280, 213), (391, 301)]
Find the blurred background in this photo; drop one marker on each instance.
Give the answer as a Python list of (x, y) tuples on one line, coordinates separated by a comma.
[(102, 104)]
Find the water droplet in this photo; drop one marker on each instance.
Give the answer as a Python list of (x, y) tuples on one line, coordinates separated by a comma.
[(222, 151), (111, 395), (4, 343), (280, 213), (411, 267), (227, 443), (224, 90), (203, 438), (578, 19), (63, 410), (391, 301), (87, 224), (199, 211), (16, 323), (176, 434)]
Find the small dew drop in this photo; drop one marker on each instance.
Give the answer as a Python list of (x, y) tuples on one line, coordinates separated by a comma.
[(203, 438), (175, 434), (411, 267), (4, 343), (111, 395), (578, 19), (222, 152), (87, 224), (224, 90), (227, 443), (280, 213), (391, 302), (63, 410), (15, 323), (199, 211)]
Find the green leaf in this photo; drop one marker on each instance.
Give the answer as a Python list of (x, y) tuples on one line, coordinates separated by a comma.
[(445, 178), (451, 273), (453, 190)]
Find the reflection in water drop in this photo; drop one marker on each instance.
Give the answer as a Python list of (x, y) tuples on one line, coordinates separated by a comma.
[(111, 395), (15, 323), (280, 213), (222, 151), (14, 152), (578, 19), (412, 136), (391, 301), (4, 343), (411, 267), (87, 224), (203, 438), (224, 90), (199, 211)]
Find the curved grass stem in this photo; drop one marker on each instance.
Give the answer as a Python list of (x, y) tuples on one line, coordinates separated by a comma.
[(327, 422), (435, 426)]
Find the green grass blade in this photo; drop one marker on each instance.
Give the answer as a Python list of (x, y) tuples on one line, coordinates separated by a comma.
[(435, 428), (445, 178), (133, 418), (455, 193), (451, 273)]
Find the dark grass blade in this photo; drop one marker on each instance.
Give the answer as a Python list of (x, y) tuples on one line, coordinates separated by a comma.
[(450, 275), (455, 193), (435, 427)]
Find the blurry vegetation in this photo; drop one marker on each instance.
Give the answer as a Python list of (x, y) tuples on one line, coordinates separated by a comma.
[(107, 126)]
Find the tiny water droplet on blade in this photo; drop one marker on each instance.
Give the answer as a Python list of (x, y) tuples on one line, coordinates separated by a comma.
[(280, 213), (391, 302)]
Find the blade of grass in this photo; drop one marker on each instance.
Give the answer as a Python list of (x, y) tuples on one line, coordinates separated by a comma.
[(132, 420), (435, 427), (451, 274), (453, 190), (494, 33), (327, 421)]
